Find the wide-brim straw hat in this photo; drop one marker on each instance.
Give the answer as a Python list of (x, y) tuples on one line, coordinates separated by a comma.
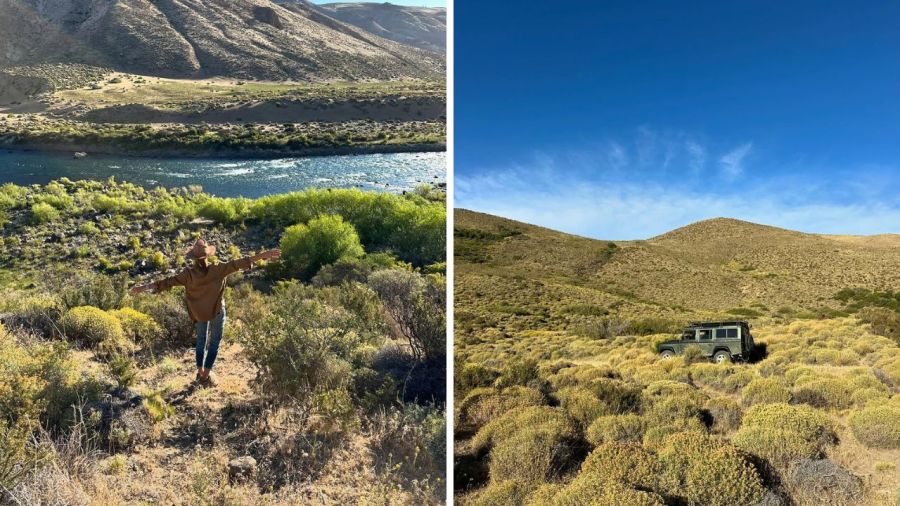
[(201, 249)]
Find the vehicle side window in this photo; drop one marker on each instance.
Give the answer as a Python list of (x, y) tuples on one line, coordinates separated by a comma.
[(721, 333), (732, 333), (688, 335), (705, 334)]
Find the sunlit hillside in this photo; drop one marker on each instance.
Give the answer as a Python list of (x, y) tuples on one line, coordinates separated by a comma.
[(562, 399)]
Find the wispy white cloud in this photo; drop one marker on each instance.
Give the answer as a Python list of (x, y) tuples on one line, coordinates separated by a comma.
[(637, 205), (732, 163), (696, 155)]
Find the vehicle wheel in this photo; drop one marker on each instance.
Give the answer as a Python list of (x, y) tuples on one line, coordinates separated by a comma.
[(665, 354), (721, 357)]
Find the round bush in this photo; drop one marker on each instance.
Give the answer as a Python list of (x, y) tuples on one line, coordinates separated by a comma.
[(618, 396), (321, 241), (584, 489), (657, 435), (581, 404), (138, 326), (625, 463), (780, 447), (810, 424), (830, 393), (702, 470), (95, 327), (764, 391), (43, 213), (482, 405), (616, 429), (532, 455), (472, 376), (521, 418), (169, 310), (877, 426)]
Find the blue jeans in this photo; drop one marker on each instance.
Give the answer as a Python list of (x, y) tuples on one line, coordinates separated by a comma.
[(212, 331)]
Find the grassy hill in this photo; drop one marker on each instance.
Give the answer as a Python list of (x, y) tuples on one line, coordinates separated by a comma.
[(556, 366), (321, 396)]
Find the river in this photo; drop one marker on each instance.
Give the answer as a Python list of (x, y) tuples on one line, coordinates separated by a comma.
[(393, 172)]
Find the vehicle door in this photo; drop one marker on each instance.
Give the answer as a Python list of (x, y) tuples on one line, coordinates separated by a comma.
[(730, 338), (705, 341)]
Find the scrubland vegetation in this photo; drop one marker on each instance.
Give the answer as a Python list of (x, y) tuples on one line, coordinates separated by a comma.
[(547, 412), (99, 111), (226, 139), (331, 373)]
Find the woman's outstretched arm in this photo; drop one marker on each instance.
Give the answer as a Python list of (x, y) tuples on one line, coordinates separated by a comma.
[(162, 285), (247, 262)]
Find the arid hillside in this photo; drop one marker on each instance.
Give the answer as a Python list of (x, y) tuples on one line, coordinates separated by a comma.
[(562, 397), (422, 27), (722, 267), (249, 39)]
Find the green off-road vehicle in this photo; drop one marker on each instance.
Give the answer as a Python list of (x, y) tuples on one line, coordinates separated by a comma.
[(723, 341)]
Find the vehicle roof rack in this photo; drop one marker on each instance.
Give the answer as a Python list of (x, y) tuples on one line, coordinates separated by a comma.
[(718, 324)]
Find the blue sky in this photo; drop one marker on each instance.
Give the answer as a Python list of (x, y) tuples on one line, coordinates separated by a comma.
[(417, 3), (623, 120)]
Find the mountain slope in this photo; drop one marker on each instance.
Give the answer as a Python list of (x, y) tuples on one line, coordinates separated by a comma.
[(421, 27), (518, 276), (200, 38)]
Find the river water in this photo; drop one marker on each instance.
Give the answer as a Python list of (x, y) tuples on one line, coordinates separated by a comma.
[(393, 172)]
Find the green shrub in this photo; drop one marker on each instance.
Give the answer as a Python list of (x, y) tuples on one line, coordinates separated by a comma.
[(169, 310), (43, 213), (517, 419), (17, 456), (121, 369), (95, 327), (831, 393), (765, 391), (412, 227), (39, 382), (225, 210), (581, 404), (417, 305), (701, 470), (102, 292), (473, 375), (518, 372), (157, 407), (616, 429), (304, 347), (158, 261), (810, 424), (877, 426), (618, 397), (623, 463), (532, 455), (885, 322), (139, 327), (780, 447), (482, 405), (321, 241)]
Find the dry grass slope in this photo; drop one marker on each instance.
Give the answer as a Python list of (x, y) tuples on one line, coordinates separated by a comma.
[(555, 351)]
